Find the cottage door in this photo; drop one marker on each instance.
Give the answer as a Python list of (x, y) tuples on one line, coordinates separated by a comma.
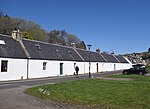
[(97, 68), (114, 66), (61, 68)]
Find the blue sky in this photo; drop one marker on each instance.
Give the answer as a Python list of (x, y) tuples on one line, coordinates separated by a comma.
[(122, 26)]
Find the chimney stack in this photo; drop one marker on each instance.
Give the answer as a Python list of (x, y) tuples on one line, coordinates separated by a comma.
[(16, 34), (98, 50), (73, 45)]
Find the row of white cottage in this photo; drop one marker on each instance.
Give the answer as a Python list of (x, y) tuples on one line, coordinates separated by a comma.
[(23, 59)]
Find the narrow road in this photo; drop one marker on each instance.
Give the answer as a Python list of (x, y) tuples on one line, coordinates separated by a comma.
[(13, 97)]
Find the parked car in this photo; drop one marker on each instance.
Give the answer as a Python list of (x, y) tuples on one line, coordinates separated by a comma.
[(136, 69)]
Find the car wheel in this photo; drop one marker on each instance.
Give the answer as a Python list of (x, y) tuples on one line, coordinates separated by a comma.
[(141, 73), (125, 73)]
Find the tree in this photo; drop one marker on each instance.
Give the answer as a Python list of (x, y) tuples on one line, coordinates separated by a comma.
[(27, 35), (53, 36), (70, 38), (6, 25), (30, 27), (61, 37), (82, 45), (33, 31), (149, 50), (146, 56)]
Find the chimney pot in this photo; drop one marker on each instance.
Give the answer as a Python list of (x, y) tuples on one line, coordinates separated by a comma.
[(16, 34)]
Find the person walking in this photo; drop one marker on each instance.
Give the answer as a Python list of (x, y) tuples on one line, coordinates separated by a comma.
[(77, 70)]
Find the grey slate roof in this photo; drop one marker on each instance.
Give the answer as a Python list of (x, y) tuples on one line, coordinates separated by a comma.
[(41, 50), (110, 58), (11, 48), (45, 51), (121, 59), (94, 56)]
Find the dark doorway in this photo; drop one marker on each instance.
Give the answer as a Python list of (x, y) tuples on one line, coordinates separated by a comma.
[(114, 66), (97, 69), (61, 68)]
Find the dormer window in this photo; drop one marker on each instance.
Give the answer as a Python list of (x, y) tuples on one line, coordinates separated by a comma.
[(57, 50), (69, 51), (38, 46)]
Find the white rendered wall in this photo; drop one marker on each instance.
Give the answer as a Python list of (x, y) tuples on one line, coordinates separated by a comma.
[(93, 67), (69, 68), (106, 66), (36, 68), (53, 68), (16, 69)]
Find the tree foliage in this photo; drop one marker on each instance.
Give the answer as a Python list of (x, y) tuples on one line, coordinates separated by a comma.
[(82, 45), (33, 31), (7, 24), (57, 37), (63, 38), (146, 56), (27, 35)]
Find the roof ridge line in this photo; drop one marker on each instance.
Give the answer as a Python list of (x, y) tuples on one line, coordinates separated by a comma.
[(24, 49), (116, 58), (78, 54), (5, 35), (46, 43), (103, 57)]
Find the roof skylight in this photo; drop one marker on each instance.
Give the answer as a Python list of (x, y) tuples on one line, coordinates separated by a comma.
[(2, 42)]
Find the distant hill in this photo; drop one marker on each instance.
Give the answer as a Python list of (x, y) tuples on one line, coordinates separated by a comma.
[(139, 58)]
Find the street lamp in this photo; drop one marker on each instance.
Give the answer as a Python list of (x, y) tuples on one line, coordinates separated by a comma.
[(89, 61)]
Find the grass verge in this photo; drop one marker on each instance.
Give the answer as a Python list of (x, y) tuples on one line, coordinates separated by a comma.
[(148, 68), (112, 94)]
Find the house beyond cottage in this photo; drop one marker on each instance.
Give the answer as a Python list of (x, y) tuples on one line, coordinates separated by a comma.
[(23, 59)]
